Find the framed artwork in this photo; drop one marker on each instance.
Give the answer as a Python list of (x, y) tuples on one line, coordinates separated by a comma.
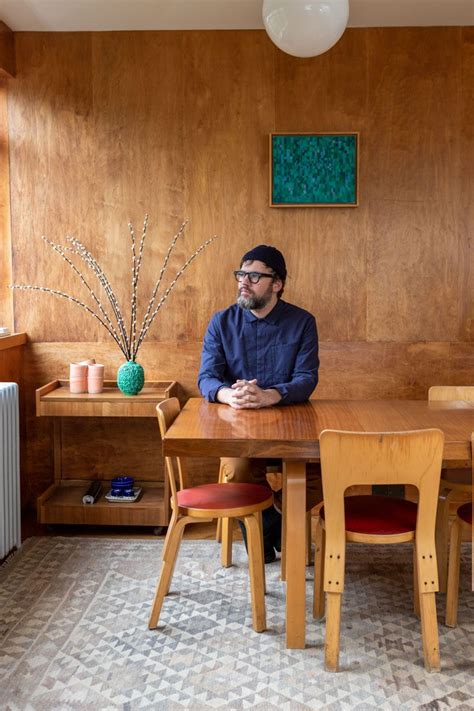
[(314, 169)]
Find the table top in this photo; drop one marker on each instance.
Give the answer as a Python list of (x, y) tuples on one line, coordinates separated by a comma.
[(292, 431)]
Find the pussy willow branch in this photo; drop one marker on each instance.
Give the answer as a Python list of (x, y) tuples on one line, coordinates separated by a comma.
[(170, 287), (133, 305), (139, 262), (157, 285), (61, 251), (128, 343), (86, 256), (75, 301)]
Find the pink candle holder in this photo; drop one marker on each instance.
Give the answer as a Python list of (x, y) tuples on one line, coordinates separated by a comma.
[(95, 378), (77, 378)]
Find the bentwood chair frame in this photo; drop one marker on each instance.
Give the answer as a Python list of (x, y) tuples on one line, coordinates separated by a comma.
[(251, 515), (459, 527), (454, 482), (353, 458), (224, 530)]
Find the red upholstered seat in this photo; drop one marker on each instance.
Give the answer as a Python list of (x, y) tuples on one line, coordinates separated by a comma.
[(379, 515), (223, 496), (465, 512)]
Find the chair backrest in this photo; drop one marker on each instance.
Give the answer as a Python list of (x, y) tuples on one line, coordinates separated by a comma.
[(167, 411), (451, 392), (352, 458)]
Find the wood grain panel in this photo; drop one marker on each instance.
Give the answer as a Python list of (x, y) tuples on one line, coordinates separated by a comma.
[(11, 358), (326, 246), (228, 80), (106, 144), (7, 51), (417, 236), (6, 296)]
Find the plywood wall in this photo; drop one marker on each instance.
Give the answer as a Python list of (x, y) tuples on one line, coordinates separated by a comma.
[(106, 127)]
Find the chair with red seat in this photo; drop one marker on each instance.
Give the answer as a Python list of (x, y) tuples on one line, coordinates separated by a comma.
[(355, 458), (204, 503), (462, 523)]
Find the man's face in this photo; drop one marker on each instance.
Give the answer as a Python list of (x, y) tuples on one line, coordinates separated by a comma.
[(257, 296)]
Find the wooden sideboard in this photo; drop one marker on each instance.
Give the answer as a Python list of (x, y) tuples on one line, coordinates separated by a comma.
[(62, 503)]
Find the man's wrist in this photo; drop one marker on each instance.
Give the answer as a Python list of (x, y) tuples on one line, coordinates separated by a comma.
[(223, 394), (273, 396)]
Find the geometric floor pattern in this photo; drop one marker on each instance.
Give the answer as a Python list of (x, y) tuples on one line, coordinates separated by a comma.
[(73, 634)]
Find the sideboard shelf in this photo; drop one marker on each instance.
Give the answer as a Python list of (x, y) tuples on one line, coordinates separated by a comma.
[(62, 503)]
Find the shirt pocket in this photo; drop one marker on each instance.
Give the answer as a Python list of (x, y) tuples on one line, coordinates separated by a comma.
[(284, 358)]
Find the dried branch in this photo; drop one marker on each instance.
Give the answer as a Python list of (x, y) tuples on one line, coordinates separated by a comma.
[(169, 289), (127, 342), (74, 300), (86, 256), (158, 283), (61, 251)]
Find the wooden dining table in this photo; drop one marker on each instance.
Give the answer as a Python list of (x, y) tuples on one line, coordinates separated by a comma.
[(291, 433)]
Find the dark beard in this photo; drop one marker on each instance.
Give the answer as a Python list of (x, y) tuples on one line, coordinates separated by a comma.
[(252, 303)]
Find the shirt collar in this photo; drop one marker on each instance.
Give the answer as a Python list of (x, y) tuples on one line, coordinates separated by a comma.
[(272, 317)]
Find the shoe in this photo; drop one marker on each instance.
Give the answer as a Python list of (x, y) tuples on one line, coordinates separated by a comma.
[(271, 520)]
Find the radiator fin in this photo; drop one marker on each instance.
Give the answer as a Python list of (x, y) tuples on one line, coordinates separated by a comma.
[(10, 525)]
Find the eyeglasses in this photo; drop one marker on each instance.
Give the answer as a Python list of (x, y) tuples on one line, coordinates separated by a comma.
[(253, 277)]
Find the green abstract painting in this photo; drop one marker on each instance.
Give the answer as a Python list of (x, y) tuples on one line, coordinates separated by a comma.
[(314, 169)]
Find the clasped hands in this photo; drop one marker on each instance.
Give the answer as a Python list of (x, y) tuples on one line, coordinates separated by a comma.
[(247, 394)]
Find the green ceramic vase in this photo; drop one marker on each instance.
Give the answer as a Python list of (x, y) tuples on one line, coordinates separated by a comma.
[(130, 378)]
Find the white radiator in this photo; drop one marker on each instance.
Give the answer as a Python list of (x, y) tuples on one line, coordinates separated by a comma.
[(10, 529)]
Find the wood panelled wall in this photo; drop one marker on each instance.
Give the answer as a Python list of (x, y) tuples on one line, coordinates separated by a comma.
[(105, 127)]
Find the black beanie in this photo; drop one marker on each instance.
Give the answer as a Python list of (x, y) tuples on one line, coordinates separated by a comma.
[(270, 256)]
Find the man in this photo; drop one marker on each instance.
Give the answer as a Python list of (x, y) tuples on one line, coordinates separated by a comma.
[(260, 352)]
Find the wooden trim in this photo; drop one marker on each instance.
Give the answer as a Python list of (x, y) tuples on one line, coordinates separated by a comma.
[(6, 296), (16, 339), (7, 51)]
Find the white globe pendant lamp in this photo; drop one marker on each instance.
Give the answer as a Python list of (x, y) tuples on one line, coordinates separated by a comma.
[(305, 28)]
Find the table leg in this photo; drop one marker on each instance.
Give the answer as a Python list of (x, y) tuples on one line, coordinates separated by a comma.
[(295, 473)]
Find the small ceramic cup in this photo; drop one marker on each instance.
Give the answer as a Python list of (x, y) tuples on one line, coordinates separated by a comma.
[(78, 378), (95, 378)]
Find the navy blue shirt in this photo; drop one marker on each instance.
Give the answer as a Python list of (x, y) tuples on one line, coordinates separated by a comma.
[(280, 351)]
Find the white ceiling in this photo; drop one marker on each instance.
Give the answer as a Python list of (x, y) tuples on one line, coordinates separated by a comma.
[(90, 15)]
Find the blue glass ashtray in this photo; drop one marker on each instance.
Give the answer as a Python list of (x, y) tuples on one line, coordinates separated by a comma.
[(123, 492), (122, 482)]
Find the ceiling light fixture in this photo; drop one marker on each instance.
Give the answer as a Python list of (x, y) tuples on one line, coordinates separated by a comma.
[(303, 28)]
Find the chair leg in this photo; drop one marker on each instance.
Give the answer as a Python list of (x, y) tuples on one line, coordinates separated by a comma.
[(256, 571), (283, 534), (416, 586), (259, 515), (442, 537), (220, 480), (319, 550), (429, 631), (227, 532), (308, 538), (171, 525), (333, 630), (453, 575), (167, 569)]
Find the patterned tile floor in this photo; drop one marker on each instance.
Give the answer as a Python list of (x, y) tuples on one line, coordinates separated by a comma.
[(73, 634)]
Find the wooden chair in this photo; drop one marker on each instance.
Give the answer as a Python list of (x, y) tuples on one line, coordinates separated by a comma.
[(224, 531), (462, 523), (454, 482), (204, 503), (353, 458)]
